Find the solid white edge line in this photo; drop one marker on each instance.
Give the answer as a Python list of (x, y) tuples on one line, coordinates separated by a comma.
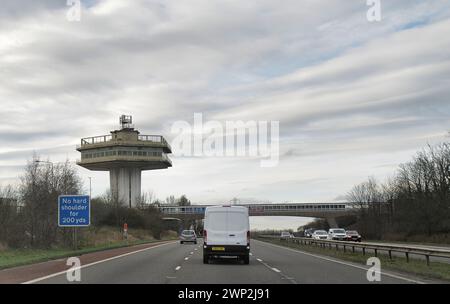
[(92, 264), (344, 263), (276, 270), (178, 268)]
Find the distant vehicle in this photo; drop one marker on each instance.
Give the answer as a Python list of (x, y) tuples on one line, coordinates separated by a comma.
[(353, 235), (320, 235), (188, 236), (337, 234), (226, 233), (308, 232), (286, 235)]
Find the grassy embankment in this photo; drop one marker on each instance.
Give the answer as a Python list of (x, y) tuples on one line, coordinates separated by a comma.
[(436, 270), (94, 239)]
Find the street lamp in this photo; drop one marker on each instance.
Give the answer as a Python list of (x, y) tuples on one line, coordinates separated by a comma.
[(90, 186)]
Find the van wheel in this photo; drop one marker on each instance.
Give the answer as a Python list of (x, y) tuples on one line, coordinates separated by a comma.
[(246, 259), (195, 242), (181, 242), (205, 259)]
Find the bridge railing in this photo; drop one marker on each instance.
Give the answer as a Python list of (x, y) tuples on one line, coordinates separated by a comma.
[(365, 247)]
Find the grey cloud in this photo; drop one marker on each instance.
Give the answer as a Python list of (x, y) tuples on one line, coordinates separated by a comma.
[(338, 84)]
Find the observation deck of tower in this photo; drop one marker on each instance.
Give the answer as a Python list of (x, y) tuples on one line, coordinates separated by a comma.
[(125, 153)]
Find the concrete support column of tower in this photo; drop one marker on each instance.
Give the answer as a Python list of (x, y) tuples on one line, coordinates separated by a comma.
[(126, 185)]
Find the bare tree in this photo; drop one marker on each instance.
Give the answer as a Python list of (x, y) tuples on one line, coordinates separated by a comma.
[(41, 184)]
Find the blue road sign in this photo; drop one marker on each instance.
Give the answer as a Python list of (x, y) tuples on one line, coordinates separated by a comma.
[(74, 211)]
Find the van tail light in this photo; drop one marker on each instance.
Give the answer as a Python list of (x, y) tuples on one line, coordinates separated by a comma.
[(248, 237), (204, 236)]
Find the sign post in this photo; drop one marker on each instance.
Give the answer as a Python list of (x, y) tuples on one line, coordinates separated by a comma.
[(74, 211), (125, 231)]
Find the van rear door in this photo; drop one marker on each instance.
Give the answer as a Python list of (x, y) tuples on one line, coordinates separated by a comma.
[(217, 226), (238, 226)]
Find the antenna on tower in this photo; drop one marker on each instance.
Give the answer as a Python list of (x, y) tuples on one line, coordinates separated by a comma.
[(126, 122)]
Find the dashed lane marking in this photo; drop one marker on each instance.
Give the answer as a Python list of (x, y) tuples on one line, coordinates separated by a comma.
[(276, 270), (283, 276)]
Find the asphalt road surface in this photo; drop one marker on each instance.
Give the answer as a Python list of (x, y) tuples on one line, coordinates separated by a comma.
[(181, 264)]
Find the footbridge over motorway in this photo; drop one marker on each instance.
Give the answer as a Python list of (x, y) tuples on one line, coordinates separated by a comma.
[(328, 211)]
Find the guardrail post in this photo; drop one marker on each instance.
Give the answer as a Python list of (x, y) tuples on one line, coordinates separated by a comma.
[(428, 259), (364, 250), (353, 249), (344, 249), (407, 257), (390, 254), (337, 247), (376, 252)]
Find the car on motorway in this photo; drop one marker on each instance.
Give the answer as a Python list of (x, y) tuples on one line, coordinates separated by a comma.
[(337, 234), (286, 235), (188, 236), (226, 233), (320, 235), (353, 235), (308, 232)]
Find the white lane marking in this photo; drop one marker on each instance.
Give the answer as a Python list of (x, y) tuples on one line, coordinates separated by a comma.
[(277, 271), (196, 249), (178, 268), (192, 252), (94, 263), (251, 254), (344, 263), (186, 258)]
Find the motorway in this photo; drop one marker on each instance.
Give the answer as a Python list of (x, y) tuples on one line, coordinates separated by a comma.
[(173, 263)]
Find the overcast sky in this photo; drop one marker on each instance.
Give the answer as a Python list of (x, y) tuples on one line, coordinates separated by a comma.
[(353, 98)]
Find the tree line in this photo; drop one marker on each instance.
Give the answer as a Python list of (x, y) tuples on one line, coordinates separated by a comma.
[(415, 201), (28, 211)]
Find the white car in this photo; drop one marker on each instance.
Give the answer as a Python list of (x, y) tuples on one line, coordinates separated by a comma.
[(320, 235), (286, 235), (337, 234), (226, 233)]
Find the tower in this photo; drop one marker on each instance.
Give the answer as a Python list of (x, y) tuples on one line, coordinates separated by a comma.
[(125, 154)]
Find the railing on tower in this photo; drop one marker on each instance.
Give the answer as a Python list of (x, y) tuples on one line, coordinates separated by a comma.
[(106, 138)]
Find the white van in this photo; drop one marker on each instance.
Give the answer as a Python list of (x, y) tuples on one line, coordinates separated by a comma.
[(226, 233)]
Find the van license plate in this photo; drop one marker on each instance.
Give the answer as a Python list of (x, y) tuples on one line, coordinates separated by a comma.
[(218, 249)]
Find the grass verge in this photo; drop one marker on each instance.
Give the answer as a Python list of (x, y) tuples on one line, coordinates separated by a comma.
[(436, 270), (13, 258)]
